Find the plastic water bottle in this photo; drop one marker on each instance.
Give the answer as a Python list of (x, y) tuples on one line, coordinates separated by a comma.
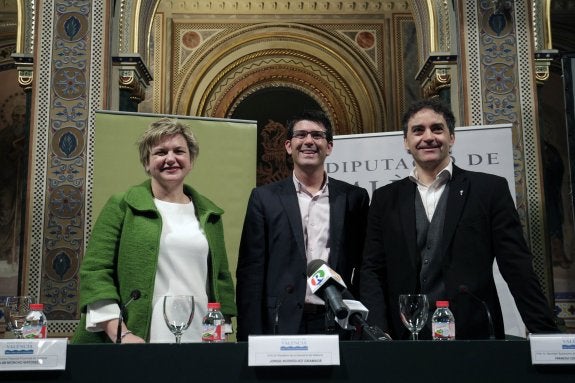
[(213, 324), (35, 325), (443, 322)]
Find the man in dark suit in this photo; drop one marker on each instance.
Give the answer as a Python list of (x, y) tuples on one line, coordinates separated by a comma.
[(288, 224), (438, 231)]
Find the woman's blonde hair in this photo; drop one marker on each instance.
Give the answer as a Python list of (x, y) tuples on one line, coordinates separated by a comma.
[(162, 128)]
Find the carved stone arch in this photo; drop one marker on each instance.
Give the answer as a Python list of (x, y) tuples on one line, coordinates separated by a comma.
[(299, 56), (421, 17), (434, 26), (132, 27), (275, 69)]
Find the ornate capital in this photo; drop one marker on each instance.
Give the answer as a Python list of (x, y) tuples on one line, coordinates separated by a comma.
[(134, 76), (435, 74), (543, 61), (440, 79), (24, 65)]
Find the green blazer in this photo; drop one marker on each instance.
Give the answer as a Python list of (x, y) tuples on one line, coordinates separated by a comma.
[(122, 255)]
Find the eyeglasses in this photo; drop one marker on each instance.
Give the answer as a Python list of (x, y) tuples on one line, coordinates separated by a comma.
[(315, 134)]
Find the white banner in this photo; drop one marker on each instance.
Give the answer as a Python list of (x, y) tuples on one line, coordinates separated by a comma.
[(374, 160)]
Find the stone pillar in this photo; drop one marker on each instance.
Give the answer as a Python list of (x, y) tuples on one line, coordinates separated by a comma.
[(498, 86)]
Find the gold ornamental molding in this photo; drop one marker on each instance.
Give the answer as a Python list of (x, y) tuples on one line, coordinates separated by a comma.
[(435, 20), (541, 23), (347, 7), (26, 10), (439, 80)]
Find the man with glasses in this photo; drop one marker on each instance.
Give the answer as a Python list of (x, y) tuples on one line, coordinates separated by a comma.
[(291, 222)]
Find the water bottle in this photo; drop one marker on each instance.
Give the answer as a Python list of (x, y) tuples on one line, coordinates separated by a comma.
[(443, 322), (213, 324), (35, 325)]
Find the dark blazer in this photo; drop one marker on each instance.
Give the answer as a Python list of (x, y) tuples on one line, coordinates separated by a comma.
[(481, 224), (271, 270)]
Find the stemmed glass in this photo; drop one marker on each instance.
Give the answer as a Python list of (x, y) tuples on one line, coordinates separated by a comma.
[(178, 313), (414, 309), (17, 309)]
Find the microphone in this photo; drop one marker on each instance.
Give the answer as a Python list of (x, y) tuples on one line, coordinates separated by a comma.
[(465, 290), (288, 290), (327, 284), (134, 296), (357, 312), (357, 320)]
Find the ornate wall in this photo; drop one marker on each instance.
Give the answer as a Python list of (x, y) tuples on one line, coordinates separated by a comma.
[(69, 86)]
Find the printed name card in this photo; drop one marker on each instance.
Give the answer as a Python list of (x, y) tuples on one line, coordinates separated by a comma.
[(33, 354), (552, 348), (293, 350)]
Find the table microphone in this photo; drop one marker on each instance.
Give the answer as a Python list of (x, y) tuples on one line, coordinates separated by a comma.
[(465, 290), (134, 296), (328, 285)]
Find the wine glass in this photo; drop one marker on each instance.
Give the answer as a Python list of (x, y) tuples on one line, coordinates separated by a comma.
[(17, 309), (178, 313), (414, 309)]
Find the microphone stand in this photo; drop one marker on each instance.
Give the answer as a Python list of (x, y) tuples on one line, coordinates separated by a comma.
[(134, 296), (120, 320), (329, 319), (465, 290)]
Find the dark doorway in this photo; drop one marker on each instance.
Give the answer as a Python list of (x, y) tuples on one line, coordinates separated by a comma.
[(272, 108)]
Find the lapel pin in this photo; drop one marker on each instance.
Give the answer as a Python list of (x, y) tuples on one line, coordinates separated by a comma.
[(461, 192)]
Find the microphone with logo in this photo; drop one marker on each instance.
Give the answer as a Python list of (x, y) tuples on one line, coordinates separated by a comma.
[(328, 285), (463, 289), (134, 296), (287, 291), (357, 320)]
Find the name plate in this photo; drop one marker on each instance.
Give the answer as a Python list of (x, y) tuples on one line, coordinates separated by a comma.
[(552, 348), (293, 350), (33, 354)]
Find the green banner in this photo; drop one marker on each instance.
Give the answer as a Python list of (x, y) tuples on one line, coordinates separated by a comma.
[(225, 170)]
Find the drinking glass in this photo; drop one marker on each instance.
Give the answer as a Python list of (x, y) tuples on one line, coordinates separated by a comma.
[(414, 310), (17, 309), (178, 313)]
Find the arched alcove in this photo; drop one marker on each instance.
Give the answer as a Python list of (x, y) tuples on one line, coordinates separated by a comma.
[(335, 72)]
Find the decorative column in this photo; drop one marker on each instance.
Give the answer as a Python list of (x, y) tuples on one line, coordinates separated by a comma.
[(134, 78), (498, 86), (69, 84)]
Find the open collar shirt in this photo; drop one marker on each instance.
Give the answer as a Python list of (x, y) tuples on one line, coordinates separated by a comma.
[(314, 210)]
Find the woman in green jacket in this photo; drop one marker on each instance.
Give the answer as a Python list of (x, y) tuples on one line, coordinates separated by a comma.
[(159, 238)]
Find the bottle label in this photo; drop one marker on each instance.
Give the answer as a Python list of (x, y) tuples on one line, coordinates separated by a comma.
[(34, 331), (213, 332), (443, 330)]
